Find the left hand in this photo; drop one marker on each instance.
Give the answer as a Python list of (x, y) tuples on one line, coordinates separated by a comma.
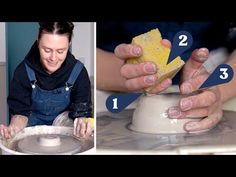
[(206, 104), (83, 127)]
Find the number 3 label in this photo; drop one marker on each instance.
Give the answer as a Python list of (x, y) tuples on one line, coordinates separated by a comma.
[(224, 74), (221, 75)]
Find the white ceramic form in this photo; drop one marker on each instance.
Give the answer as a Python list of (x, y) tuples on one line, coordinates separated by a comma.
[(150, 115)]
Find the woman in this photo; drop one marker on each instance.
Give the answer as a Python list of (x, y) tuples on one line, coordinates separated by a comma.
[(50, 84)]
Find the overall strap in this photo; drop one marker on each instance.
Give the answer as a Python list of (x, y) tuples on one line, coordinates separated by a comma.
[(30, 73), (75, 72)]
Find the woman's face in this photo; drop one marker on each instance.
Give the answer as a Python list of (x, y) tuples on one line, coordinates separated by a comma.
[(53, 50)]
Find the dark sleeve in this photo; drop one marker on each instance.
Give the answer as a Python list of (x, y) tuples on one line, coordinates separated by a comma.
[(19, 98), (111, 34), (231, 38), (81, 105)]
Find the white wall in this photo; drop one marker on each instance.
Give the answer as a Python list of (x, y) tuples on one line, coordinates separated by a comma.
[(3, 96), (2, 42), (83, 44)]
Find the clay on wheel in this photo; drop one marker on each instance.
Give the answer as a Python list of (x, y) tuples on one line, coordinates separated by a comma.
[(150, 115)]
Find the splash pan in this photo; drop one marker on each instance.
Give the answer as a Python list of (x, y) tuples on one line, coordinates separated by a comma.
[(46, 140)]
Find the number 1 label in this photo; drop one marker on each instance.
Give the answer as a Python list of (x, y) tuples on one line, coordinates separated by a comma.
[(115, 103)]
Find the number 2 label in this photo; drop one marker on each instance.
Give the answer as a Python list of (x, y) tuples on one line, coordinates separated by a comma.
[(183, 40)]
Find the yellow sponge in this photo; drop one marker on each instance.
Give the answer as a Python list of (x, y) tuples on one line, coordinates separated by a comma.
[(154, 51), (89, 120)]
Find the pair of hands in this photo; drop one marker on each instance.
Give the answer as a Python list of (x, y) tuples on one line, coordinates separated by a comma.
[(83, 127), (205, 104)]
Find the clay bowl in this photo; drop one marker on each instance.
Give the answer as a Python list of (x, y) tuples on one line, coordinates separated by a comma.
[(150, 115)]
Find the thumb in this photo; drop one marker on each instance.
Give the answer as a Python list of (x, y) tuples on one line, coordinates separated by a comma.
[(125, 51), (197, 58), (166, 43)]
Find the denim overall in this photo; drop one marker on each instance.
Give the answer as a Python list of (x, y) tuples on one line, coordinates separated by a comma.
[(47, 105)]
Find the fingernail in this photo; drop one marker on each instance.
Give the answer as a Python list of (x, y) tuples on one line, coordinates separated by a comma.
[(149, 68), (166, 83), (187, 88), (6, 132), (202, 54), (2, 132), (185, 104), (12, 131), (149, 79), (174, 112), (136, 51), (192, 126), (80, 121)]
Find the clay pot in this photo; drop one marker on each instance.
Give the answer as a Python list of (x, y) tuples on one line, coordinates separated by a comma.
[(150, 114)]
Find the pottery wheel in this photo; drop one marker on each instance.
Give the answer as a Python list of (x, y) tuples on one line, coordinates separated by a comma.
[(49, 144)]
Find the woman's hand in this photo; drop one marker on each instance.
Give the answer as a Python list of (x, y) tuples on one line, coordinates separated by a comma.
[(206, 104), (83, 127), (18, 122), (142, 75), (7, 131)]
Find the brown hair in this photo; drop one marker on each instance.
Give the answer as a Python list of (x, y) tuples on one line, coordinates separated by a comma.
[(56, 28)]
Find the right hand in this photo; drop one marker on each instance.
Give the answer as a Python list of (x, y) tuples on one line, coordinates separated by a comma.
[(142, 75), (83, 127), (18, 122), (206, 104), (7, 131)]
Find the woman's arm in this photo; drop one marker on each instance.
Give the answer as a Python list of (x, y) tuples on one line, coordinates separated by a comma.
[(81, 104), (108, 72)]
